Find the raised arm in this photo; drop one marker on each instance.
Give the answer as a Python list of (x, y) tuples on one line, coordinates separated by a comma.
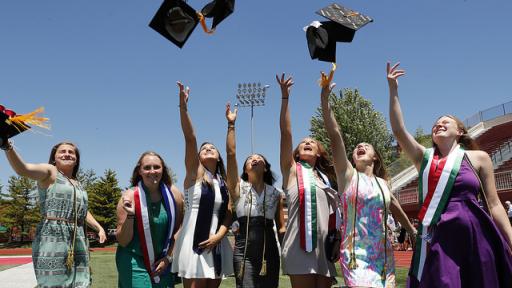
[(43, 173), (285, 125), (344, 169), (400, 216), (411, 147), (191, 158), (232, 167)]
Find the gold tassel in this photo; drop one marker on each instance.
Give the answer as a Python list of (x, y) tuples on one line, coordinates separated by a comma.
[(203, 24), (326, 80), (352, 264), (241, 272), (31, 118), (263, 271), (383, 274), (70, 260)]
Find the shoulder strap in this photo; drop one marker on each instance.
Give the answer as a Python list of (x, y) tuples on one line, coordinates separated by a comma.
[(482, 191)]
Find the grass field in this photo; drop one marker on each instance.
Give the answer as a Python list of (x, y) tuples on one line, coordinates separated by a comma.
[(104, 273)]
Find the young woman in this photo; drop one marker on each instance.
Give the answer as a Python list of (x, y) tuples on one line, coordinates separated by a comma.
[(257, 204), (467, 246), (148, 216), (367, 254), (309, 183), (60, 249), (203, 256)]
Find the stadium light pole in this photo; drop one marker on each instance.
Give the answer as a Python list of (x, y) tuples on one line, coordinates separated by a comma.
[(250, 95)]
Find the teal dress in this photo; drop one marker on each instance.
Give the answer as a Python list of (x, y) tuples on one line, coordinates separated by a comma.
[(129, 260), (54, 236)]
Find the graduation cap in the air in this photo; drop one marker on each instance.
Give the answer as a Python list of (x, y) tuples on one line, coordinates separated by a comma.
[(12, 124), (341, 27), (176, 20)]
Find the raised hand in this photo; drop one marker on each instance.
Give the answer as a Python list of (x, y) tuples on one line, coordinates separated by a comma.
[(231, 115), (285, 85), (128, 206), (327, 89), (393, 74), (183, 93)]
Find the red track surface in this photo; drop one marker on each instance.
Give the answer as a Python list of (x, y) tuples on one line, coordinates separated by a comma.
[(15, 261)]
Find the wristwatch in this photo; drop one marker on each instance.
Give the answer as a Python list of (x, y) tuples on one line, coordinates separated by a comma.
[(169, 258)]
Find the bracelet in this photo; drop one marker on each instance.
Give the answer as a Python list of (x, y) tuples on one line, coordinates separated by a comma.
[(231, 125), (284, 98)]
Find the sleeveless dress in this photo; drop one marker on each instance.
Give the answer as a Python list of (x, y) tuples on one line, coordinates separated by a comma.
[(54, 237), (467, 249), (296, 261), (130, 260), (369, 233), (259, 228), (189, 264)]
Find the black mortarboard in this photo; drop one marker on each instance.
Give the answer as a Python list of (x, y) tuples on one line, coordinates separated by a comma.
[(9, 129), (343, 24), (218, 10), (175, 20)]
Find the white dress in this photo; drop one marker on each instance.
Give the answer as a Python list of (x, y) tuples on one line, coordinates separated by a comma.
[(189, 264)]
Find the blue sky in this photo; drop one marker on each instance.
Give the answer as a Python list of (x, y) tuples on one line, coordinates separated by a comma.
[(107, 80)]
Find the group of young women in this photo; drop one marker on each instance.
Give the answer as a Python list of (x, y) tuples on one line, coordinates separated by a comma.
[(162, 230)]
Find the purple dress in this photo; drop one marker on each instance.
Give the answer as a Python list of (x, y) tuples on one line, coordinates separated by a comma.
[(467, 249)]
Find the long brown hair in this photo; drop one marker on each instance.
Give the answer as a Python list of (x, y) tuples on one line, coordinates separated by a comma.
[(323, 163), (166, 176), (465, 140), (220, 168), (379, 168), (77, 154), (268, 176)]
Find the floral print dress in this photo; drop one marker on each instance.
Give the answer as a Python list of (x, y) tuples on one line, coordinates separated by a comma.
[(368, 243)]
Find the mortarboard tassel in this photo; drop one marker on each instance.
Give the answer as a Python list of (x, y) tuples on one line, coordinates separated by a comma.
[(263, 271), (326, 80), (203, 24), (70, 259), (241, 272), (31, 118), (352, 264), (383, 274)]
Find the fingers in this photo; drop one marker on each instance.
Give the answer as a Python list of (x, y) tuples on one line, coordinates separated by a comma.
[(179, 85), (332, 86)]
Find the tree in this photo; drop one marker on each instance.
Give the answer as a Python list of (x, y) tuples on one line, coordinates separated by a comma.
[(103, 197), (20, 208), (86, 178), (359, 122)]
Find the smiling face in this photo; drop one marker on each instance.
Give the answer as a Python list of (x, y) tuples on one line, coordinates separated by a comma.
[(363, 153), (307, 150), (151, 170), (65, 157), (445, 128)]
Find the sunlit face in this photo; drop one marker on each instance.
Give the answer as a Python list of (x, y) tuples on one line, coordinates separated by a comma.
[(208, 151), (151, 170), (308, 149), (255, 163), (445, 127), (363, 152), (65, 156)]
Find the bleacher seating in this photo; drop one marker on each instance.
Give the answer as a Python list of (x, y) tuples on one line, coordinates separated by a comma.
[(493, 138)]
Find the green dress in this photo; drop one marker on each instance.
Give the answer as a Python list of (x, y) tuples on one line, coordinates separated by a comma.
[(129, 259), (54, 237)]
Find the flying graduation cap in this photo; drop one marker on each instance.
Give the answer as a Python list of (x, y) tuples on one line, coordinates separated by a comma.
[(341, 27), (12, 124), (176, 20)]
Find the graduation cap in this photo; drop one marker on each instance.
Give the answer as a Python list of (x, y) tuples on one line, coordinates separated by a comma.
[(341, 27), (176, 20), (12, 124)]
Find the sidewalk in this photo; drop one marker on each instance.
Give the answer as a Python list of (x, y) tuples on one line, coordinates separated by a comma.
[(20, 277)]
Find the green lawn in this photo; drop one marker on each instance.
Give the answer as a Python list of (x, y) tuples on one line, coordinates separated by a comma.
[(104, 273)]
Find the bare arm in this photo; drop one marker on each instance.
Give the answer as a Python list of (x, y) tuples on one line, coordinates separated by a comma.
[(485, 169), (279, 218), (400, 216), (344, 169), (232, 167), (287, 162), (125, 218), (191, 158), (43, 173), (91, 222), (411, 147)]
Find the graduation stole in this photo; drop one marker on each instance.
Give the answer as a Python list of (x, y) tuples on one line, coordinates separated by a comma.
[(434, 188), (306, 184), (144, 226)]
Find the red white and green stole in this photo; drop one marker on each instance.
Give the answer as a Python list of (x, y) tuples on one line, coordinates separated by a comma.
[(434, 189), (306, 184), (144, 227)]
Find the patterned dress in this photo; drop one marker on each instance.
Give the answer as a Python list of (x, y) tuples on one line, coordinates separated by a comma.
[(55, 237), (369, 234)]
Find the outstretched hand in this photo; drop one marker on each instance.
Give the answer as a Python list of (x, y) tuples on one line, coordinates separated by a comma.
[(393, 74), (285, 85), (128, 206), (231, 115), (183, 93)]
